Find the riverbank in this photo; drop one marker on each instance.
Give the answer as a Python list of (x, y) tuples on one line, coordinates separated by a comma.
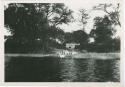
[(78, 55), (98, 55)]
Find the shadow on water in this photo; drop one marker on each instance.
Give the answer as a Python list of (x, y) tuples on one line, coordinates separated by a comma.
[(33, 70), (49, 69)]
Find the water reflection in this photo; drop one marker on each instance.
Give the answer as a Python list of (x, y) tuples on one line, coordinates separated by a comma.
[(51, 69), (68, 70), (106, 70)]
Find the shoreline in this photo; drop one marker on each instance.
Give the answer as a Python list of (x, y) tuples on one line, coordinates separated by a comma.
[(79, 55)]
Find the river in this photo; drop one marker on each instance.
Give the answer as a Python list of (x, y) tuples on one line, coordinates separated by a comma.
[(50, 69)]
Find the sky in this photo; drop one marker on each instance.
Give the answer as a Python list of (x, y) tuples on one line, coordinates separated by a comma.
[(92, 14), (76, 5)]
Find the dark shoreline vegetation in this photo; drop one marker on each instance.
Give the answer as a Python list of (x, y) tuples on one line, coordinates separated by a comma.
[(35, 28)]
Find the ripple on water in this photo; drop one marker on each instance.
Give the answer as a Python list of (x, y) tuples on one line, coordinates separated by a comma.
[(50, 69)]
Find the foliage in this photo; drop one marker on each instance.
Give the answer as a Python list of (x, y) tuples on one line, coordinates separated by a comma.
[(102, 34), (113, 15), (83, 17), (34, 27), (81, 37), (31, 22)]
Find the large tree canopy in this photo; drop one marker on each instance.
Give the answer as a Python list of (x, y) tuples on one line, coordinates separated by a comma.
[(103, 34), (23, 16), (29, 22), (103, 29)]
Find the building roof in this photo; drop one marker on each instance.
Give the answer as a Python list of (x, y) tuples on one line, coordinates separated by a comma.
[(72, 44)]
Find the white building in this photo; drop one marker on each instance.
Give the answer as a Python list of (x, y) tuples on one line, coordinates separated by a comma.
[(71, 45)]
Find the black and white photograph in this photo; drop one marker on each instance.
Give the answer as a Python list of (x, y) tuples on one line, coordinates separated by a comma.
[(62, 42)]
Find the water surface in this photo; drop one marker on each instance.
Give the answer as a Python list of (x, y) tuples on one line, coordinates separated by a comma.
[(49, 69)]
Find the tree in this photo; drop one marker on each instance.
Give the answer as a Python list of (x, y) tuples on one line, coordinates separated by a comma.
[(55, 14), (104, 28), (57, 35), (83, 17), (68, 37), (29, 22), (18, 20), (102, 34), (80, 36), (113, 14), (116, 44)]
